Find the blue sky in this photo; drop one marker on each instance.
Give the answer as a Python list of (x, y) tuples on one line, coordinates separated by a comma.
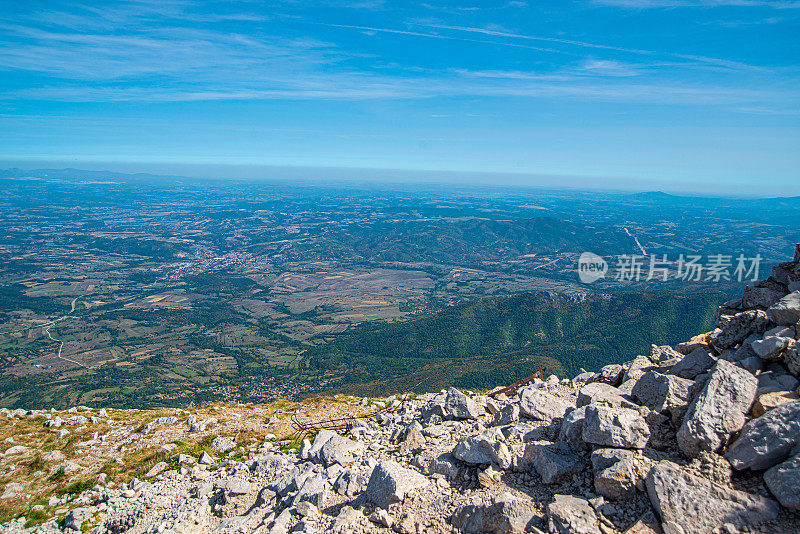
[(697, 95)]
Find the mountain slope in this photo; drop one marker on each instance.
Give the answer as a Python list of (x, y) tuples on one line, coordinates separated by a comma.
[(495, 340)]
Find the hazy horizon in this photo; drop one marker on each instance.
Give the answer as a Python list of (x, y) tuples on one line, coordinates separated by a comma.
[(389, 177)]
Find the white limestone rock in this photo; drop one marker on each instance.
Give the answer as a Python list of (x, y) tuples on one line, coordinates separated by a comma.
[(782, 480), (719, 409), (391, 482), (767, 440), (786, 311), (693, 364), (555, 462), (688, 504), (482, 449), (615, 427), (538, 404), (459, 406), (568, 514)]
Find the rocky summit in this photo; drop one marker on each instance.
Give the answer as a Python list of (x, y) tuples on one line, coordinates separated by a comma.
[(698, 438)]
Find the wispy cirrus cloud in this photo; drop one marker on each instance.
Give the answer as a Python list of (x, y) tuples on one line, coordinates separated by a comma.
[(460, 82), (164, 52), (148, 51), (567, 45), (429, 35), (719, 62), (461, 9)]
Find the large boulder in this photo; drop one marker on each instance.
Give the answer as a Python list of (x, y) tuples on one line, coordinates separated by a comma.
[(615, 427), (572, 515), (618, 473), (483, 448), (445, 464), (739, 327), (505, 515), (156, 469), (773, 347), (582, 378), (788, 274), (572, 428), (698, 341), (745, 350), (268, 465), (527, 432), (414, 440), (689, 504), (614, 481), (767, 440), (555, 462), (458, 406), (538, 404), (638, 367), (782, 331), (76, 517), (786, 311), (647, 523), (782, 480), (390, 482), (509, 414), (719, 409), (290, 481), (662, 393), (726, 312), (627, 387), (313, 489), (350, 482), (605, 458), (664, 354), (762, 295), (433, 412), (340, 450), (322, 437), (601, 394), (222, 444), (237, 486), (610, 374), (693, 364)]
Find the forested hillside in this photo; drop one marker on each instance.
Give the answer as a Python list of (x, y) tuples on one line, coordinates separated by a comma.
[(497, 340)]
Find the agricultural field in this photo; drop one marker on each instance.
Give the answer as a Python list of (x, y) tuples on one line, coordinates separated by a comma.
[(146, 291)]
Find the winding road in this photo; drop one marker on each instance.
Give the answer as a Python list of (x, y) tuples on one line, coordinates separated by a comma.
[(60, 347)]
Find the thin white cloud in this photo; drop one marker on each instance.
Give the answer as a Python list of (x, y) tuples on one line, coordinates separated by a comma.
[(338, 86), (461, 9), (608, 67), (166, 52), (375, 30), (583, 44)]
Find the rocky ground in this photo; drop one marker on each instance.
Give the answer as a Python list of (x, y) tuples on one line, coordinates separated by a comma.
[(701, 437)]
